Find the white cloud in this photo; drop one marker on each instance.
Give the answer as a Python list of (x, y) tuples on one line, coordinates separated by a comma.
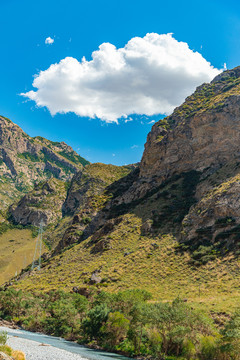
[(134, 146), (151, 122), (49, 41), (150, 75)]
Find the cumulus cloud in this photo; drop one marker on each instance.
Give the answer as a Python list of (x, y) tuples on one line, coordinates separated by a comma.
[(150, 75), (49, 41)]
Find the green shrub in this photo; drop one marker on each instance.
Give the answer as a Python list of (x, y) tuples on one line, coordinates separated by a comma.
[(93, 323), (208, 348), (188, 349), (3, 337), (86, 220), (6, 349)]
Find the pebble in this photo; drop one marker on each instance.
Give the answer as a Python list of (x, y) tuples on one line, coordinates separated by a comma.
[(36, 351)]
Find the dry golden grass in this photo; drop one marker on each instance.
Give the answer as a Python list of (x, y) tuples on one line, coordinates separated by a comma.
[(16, 252), (136, 261), (18, 355)]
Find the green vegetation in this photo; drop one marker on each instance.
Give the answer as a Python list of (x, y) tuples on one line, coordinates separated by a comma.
[(128, 258), (3, 337), (65, 167), (15, 355), (73, 157), (107, 173), (28, 156), (164, 124), (207, 97), (127, 322)]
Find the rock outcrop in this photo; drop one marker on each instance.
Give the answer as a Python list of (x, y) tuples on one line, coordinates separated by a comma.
[(203, 135), (44, 203), (25, 161)]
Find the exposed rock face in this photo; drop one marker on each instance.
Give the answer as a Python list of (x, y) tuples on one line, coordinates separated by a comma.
[(207, 139), (44, 203), (83, 186), (87, 184), (201, 137), (89, 192), (25, 161), (201, 134), (216, 217)]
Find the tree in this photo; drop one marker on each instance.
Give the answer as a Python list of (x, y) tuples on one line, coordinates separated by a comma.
[(176, 323), (116, 328), (95, 319)]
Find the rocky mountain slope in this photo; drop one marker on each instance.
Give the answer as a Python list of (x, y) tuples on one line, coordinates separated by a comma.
[(170, 224), (25, 161), (45, 181)]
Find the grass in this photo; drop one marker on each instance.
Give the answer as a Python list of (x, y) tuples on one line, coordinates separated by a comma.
[(208, 97), (16, 252), (107, 173), (135, 261), (128, 259)]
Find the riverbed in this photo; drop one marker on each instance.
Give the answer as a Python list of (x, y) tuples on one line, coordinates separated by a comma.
[(43, 347)]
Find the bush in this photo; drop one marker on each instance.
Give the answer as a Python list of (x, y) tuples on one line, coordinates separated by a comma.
[(116, 328), (3, 337), (208, 348), (189, 349), (96, 318), (6, 349)]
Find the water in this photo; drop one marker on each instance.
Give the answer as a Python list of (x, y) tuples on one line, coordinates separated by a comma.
[(64, 345)]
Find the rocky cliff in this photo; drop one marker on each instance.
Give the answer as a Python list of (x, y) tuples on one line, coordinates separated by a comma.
[(202, 135), (25, 161)]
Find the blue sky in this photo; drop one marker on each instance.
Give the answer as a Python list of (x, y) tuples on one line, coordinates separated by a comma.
[(79, 28)]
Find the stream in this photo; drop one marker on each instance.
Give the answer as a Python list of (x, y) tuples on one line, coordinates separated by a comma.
[(33, 341)]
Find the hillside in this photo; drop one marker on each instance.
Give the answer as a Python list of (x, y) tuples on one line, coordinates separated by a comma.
[(171, 225), (45, 181), (25, 161)]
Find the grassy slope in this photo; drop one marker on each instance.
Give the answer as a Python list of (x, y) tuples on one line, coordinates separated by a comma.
[(152, 262), (107, 172), (10, 261), (162, 271), (16, 251)]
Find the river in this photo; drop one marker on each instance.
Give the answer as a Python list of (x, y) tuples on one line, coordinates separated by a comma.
[(43, 347)]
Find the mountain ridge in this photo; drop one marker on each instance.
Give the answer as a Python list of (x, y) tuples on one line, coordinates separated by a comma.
[(176, 207), (25, 161)]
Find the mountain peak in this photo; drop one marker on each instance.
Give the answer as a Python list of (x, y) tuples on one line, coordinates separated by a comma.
[(25, 161)]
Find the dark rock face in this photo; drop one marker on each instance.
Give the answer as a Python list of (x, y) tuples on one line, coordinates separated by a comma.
[(216, 216)]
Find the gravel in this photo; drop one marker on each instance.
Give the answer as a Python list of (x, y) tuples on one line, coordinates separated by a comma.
[(37, 351)]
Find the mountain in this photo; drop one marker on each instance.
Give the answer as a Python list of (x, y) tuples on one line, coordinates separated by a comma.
[(170, 224), (45, 181), (25, 161)]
